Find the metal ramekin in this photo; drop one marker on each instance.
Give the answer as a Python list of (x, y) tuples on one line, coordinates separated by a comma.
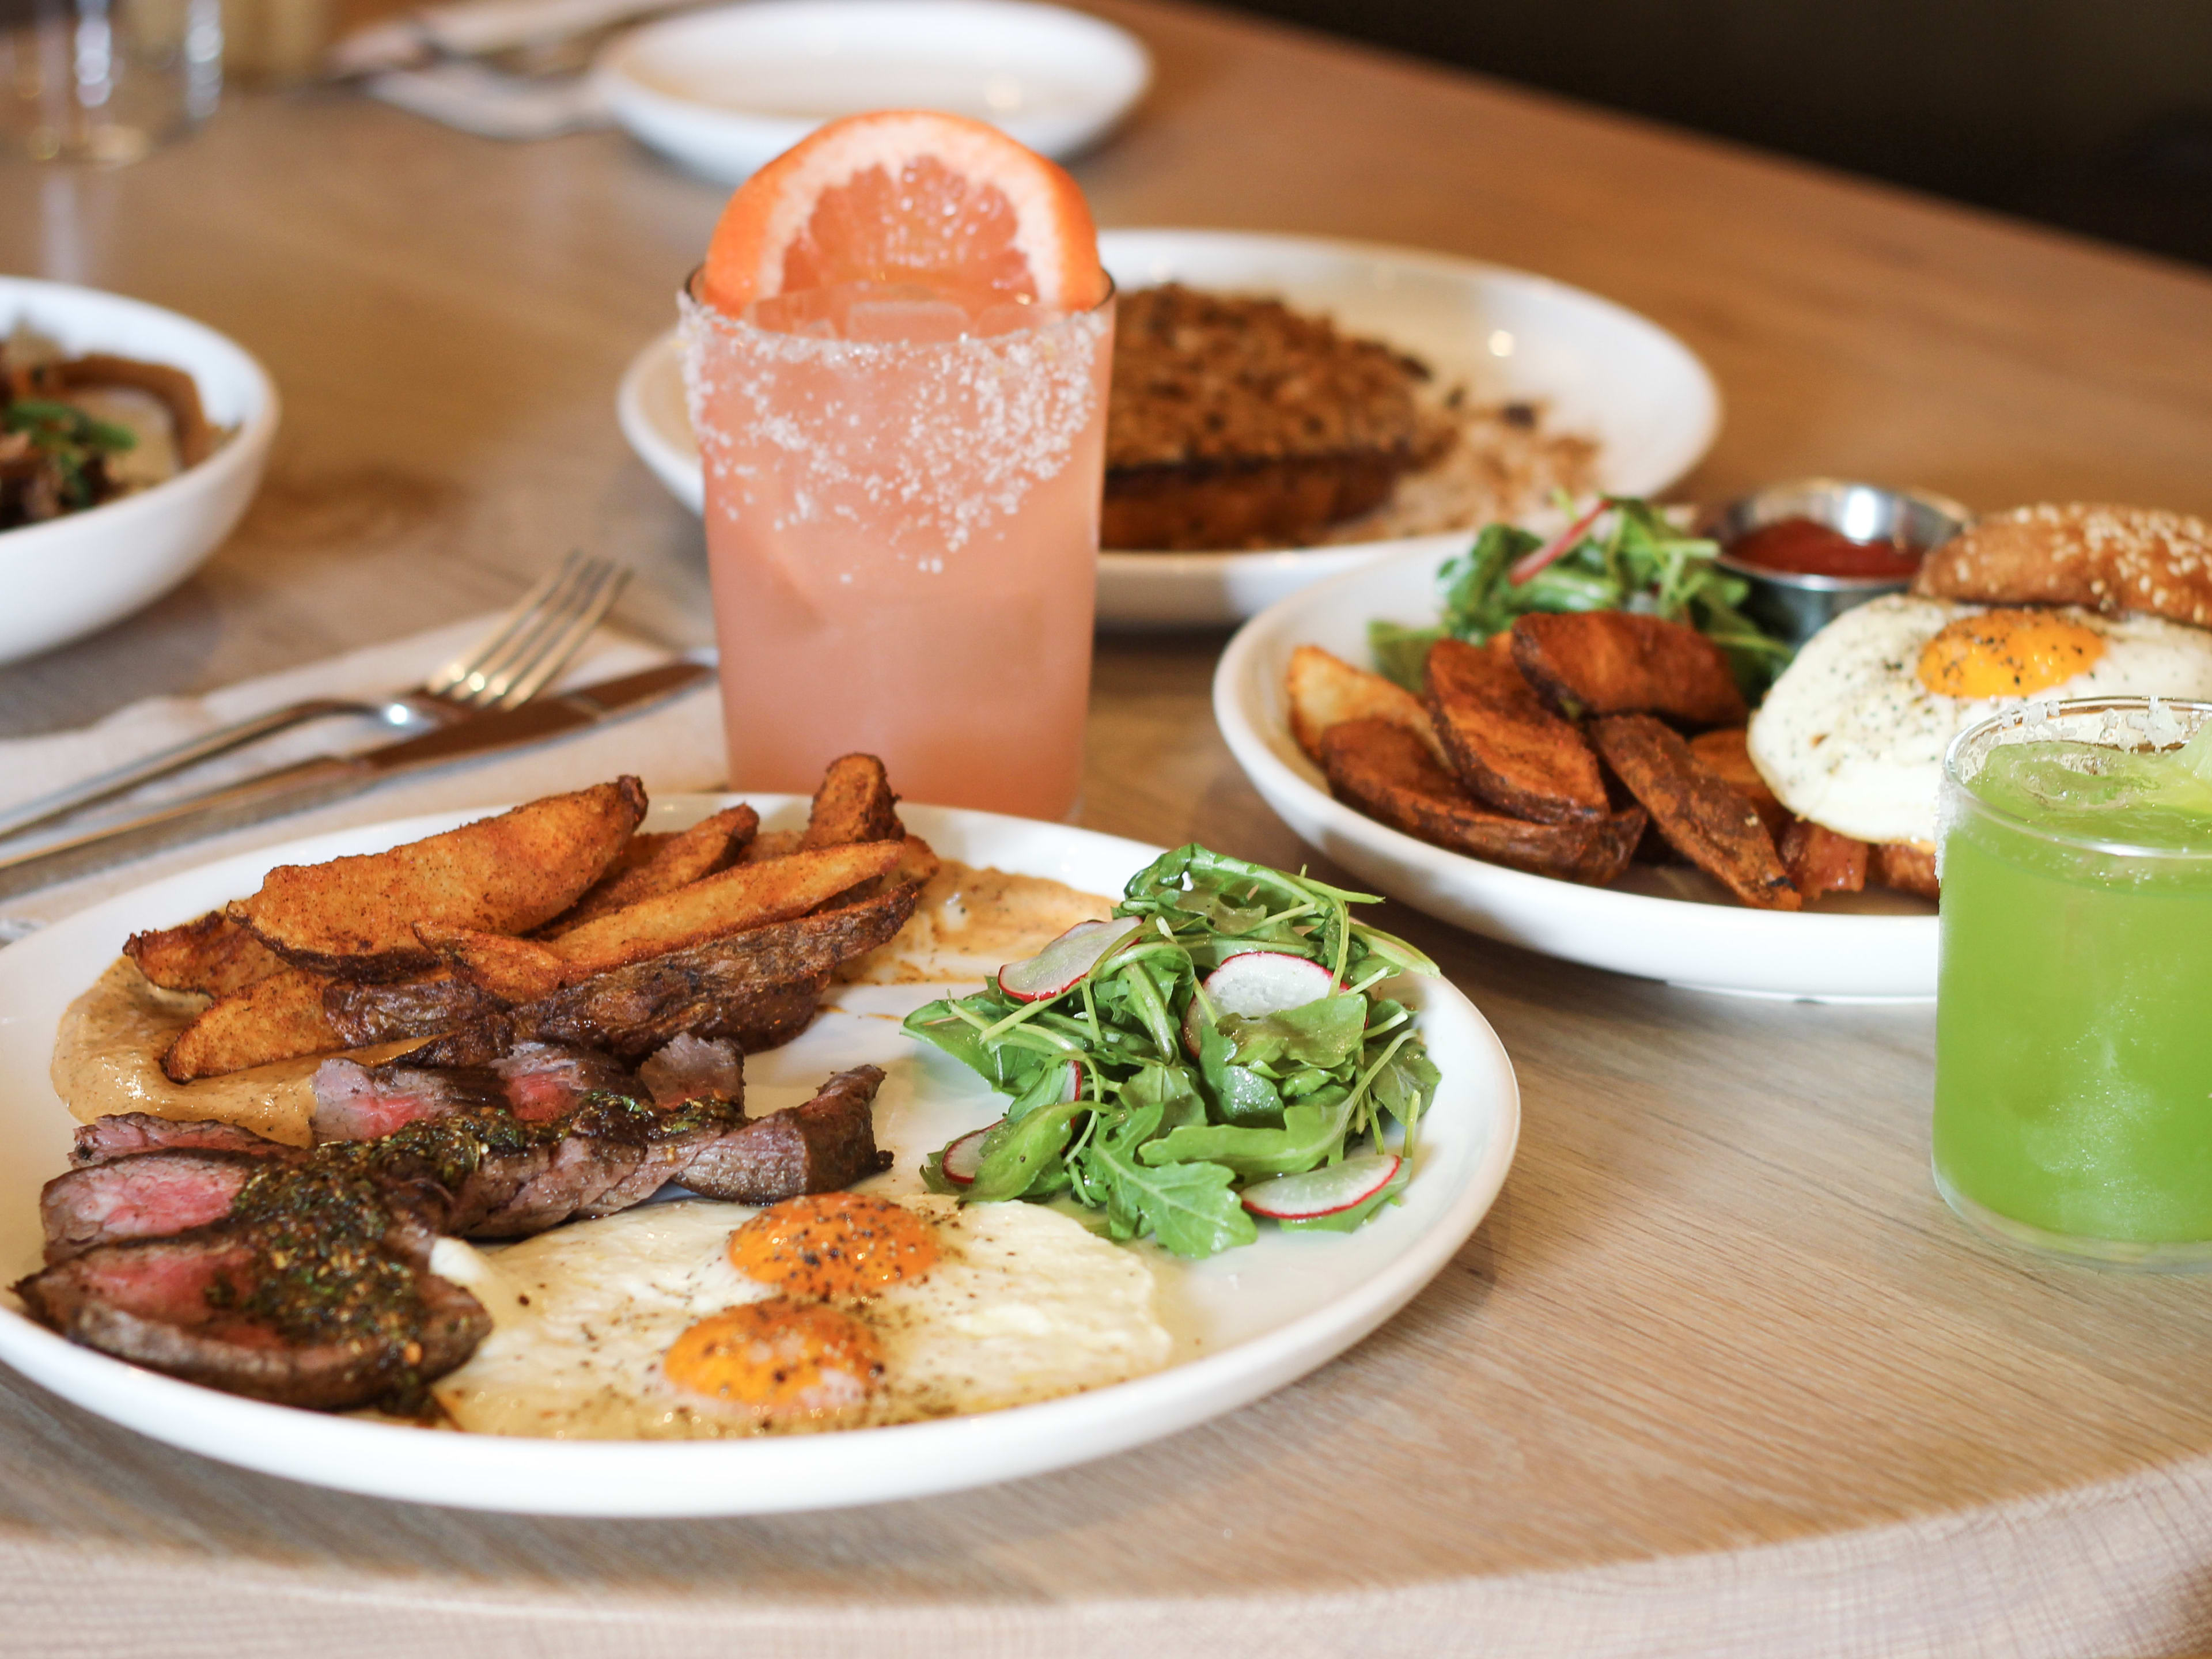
[(1797, 607)]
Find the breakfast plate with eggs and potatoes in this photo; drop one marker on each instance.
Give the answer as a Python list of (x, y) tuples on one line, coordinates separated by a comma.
[(804, 1277), (1678, 798)]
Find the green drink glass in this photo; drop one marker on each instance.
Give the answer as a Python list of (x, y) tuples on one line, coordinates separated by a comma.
[(2073, 1014)]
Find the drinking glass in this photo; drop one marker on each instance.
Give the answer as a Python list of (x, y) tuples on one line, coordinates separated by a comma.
[(903, 540), (2073, 1050), (107, 81)]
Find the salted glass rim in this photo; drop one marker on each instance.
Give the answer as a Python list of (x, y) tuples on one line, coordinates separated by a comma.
[(1958, 786), (687, 294)]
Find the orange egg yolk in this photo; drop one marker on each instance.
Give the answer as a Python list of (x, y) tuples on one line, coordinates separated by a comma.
[(783, 1358), (834, 1244), (2008, 653)]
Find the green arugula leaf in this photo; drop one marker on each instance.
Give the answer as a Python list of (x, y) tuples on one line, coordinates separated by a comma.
[(1310, 1134), (1187, 1208), (1325, 1032), (1015, 1154)]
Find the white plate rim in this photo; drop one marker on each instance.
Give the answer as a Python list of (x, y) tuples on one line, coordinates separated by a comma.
[(1200, 576), (603, 1479), (1261, 747)]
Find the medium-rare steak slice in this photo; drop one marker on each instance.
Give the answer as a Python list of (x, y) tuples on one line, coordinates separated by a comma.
[(547, 1081), (352, 1317), (144, 1195), (694, 1068), (826, 1144), (354, 1101), (128, 1132)]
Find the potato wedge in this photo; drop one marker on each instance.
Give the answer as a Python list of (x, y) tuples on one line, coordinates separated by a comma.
[(1907, 865), (364, 1011), (1612, 662), (771, 844), (214, 955), (854, 804), (1324, 690), (1387, 773), (1706, 821), (1513, 754), (1726, 753), (667, 863), (512, 969), (1820, 861), (356, 917), (279, 1017)]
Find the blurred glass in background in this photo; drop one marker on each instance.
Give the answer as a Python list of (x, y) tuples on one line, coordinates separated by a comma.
[(107, 81)]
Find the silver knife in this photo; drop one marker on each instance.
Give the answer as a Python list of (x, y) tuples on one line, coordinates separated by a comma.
[(315, 782)]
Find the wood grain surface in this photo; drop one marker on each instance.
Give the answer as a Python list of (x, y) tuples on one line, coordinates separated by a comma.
[(1718, 1376)]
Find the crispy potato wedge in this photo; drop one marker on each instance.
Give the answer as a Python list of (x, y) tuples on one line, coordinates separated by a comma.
[(757, 987), (1387, 773), (772, 844), (1706, 821), (854, 804), (1907, 865), (356, 917), (214, 955), (1325, 690), (364, 1011), (1612, 662), (1726, 753), (1820, 861), (279, 1017), (512, 969), (1513, 754), (669, 862)]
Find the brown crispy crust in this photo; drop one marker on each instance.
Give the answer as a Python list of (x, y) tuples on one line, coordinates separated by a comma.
[(214, 955), (279, 1018), (2120, 560), (853, 804), (1219, 504), (1820, 861), (1387, 773), (1729, 754), (1510, 751), (1614, 662), (1707, 822), (1907, 865)]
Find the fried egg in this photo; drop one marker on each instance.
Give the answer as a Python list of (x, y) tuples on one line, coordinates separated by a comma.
[(699, 1320), (1853, 735)]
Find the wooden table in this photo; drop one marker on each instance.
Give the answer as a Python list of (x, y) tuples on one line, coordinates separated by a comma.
[(1718, 1376)]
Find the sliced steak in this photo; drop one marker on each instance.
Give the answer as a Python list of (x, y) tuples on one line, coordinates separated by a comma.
[(354, 1101), (827, 1143), (757, 988), (545, 1081), (143, 1195), (694, 1068), (127, 1133), (194, 1306)]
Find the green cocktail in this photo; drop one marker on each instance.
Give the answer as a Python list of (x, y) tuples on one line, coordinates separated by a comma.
[(2074, 1023)]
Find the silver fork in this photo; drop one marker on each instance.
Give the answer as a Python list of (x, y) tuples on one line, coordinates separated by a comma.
[(506, 668)]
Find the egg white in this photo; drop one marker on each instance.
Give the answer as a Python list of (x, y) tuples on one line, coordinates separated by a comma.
[(1849, 738), (1023, 1304)]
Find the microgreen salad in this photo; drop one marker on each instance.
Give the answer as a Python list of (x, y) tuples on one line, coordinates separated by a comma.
[(1217, 1050), (1622, 553)]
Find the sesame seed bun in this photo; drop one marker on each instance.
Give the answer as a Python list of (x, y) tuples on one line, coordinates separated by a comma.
[(2119, 560)]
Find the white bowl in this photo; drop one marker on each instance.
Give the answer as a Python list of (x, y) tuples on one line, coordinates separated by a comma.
[(1505, 334), (1666, 922), (69, 576), (724, 91)]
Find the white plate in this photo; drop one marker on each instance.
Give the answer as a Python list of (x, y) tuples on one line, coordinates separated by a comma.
[(71, 575), (1662, 922), (722, 92), (1506, 334), (1245, 1323)]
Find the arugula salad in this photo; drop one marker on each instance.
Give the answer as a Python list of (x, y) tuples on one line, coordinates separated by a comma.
[(1216, 1051), (1639, 562)]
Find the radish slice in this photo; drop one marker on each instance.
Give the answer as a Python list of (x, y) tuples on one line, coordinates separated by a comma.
[(1256, 983), (1325, 1191), (1061, 964), (964, 1157)]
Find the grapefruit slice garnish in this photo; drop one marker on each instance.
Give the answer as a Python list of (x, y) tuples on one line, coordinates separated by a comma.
[(907, 197)]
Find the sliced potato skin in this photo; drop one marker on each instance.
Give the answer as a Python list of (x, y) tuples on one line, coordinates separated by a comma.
[(279, 1017), (1323, 690), (1615, 662), (355, 917), (853, 804), (212, 955), (1701, 817), (1386, 772), (1726, 751), (1512, 753)]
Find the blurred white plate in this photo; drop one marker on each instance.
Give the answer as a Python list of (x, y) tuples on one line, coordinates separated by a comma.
[(1667, 922), (1505, 334), (1245, 1323), (71, 575), (724, 91)]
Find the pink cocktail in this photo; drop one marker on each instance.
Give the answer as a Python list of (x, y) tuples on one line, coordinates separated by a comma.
[(902, 493)]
